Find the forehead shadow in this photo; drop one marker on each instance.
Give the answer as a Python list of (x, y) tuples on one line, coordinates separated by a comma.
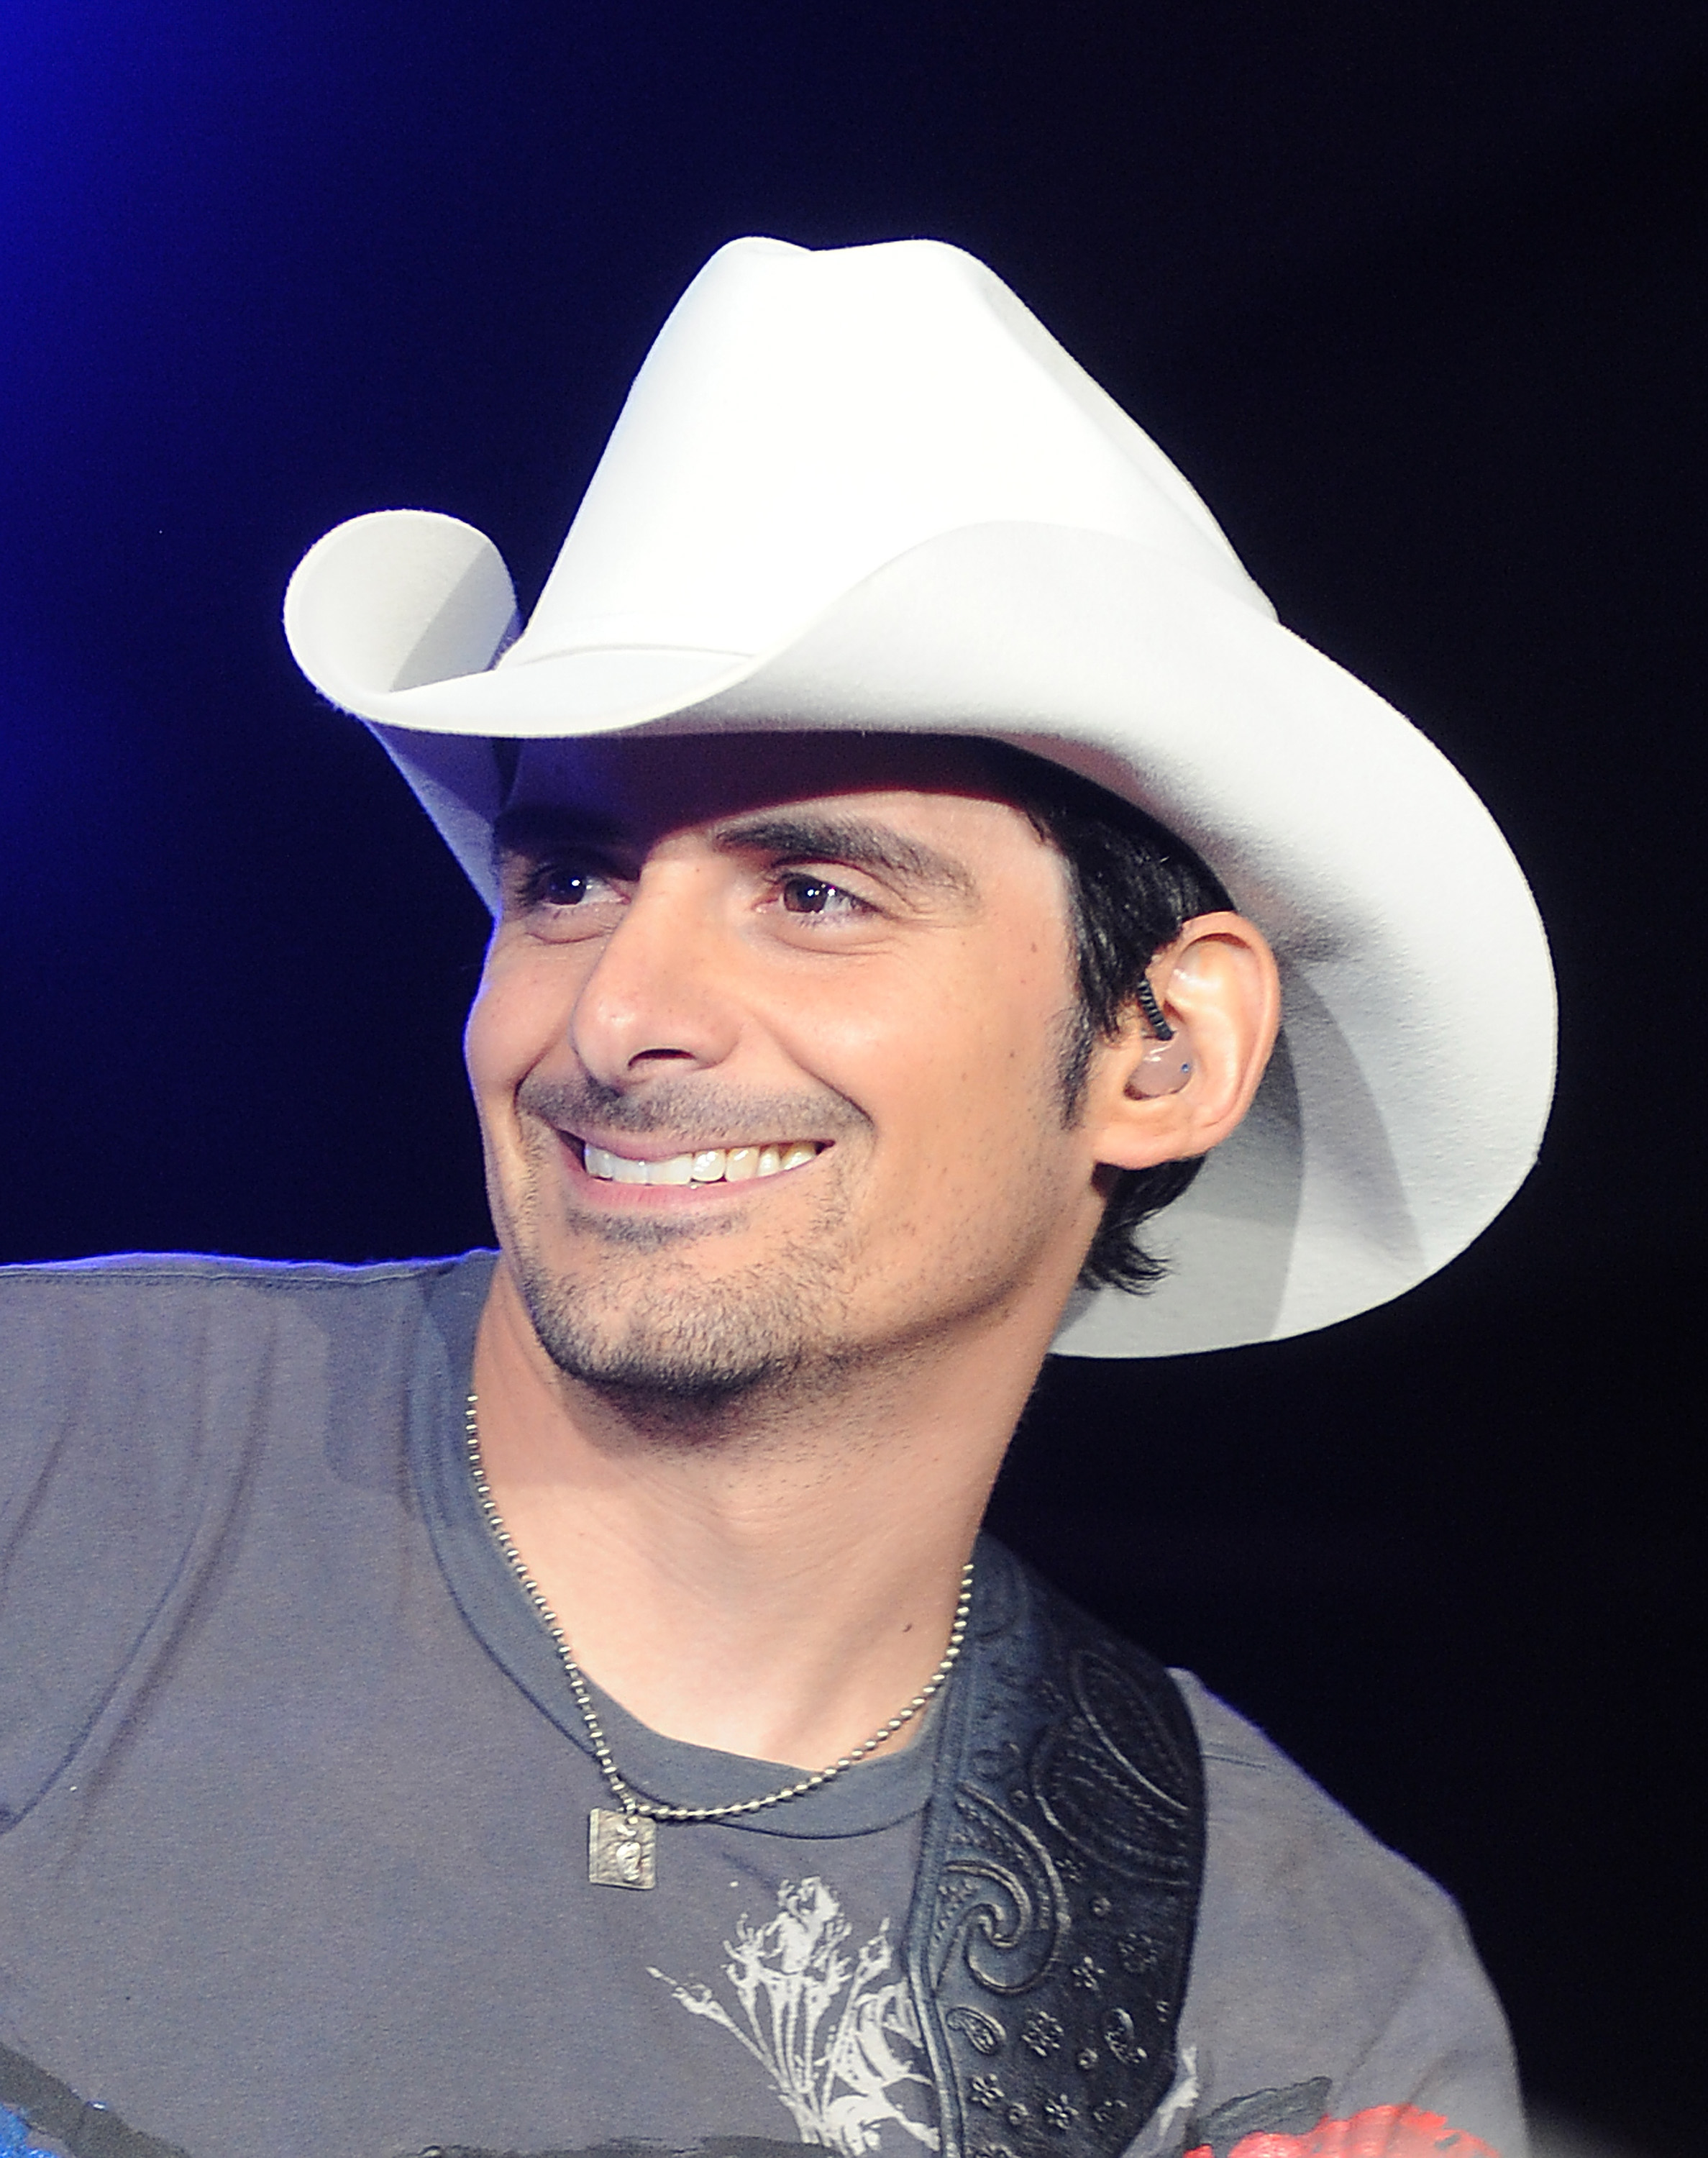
[(632, 790), (532, 827)]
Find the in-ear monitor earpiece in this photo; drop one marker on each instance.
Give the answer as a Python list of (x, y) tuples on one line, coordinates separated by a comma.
[(1166, 1065)]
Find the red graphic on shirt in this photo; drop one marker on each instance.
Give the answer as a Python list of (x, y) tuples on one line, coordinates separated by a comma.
[(1379, 2131)]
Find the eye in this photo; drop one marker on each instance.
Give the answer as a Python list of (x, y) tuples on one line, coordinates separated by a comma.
[(557, 887), (564, 899), (812, 895), (565, 884)]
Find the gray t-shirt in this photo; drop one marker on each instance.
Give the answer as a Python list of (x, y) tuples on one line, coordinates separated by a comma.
[(293, 1803)]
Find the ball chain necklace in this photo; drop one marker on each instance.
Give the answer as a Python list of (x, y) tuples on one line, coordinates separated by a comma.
[(622, 1845)]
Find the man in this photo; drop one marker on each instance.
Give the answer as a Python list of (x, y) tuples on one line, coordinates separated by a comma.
[(558, 1702)]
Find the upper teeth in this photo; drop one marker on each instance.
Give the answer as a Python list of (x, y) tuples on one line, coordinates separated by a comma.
[(713, 1165)]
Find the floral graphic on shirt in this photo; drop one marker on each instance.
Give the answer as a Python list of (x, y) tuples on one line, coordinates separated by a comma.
[(1379, 2131), (837, 2035)]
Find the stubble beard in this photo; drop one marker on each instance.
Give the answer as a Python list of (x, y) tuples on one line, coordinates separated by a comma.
[(679, 1342), (633, 1319)]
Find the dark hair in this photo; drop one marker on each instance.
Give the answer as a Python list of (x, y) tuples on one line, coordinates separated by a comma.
[(1132, 886)]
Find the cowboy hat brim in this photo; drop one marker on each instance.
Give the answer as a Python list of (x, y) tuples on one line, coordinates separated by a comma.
[(1408, 1096)]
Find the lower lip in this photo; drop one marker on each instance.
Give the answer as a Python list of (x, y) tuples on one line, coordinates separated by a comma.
[(667, 1197)]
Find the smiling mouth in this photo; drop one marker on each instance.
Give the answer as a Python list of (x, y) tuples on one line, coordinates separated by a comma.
[(710, 1166)]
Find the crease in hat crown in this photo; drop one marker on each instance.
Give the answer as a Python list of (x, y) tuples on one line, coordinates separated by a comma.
[(802, 419)]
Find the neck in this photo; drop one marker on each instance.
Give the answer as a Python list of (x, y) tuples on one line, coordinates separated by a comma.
[(774, 1577)]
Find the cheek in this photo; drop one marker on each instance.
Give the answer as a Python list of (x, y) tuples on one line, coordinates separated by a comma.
[(1000, 1096), (954, 1065), (514, 1020)]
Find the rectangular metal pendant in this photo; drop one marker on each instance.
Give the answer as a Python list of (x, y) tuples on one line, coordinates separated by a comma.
[(622, 1849)]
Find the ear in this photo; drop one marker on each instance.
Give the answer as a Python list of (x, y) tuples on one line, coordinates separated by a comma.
[(1218, 987)]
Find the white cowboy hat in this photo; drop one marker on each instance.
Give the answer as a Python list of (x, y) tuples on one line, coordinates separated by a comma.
[(865, 489)]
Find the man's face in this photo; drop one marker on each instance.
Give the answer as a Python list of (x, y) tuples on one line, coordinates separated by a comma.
[(767, 1059)]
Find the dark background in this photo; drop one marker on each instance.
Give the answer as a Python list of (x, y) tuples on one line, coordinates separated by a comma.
[(1413, 293)]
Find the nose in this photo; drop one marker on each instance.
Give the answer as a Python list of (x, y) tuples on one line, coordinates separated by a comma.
[(661, 998)]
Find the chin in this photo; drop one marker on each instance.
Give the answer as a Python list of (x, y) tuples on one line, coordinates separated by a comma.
[(678, 1342)]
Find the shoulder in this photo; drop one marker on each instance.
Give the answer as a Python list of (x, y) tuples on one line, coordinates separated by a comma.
[(148, 1399), (1324, 1958), (122, 1277), (157, 1366), (75, 1321), (1276, 1835), (1333, 1999)]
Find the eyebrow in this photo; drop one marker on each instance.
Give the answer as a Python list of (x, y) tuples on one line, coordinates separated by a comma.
[(531, 829), (854, 841)]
